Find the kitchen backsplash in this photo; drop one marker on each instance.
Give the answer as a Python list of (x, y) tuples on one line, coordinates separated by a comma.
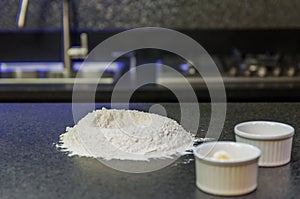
[(177, 14)]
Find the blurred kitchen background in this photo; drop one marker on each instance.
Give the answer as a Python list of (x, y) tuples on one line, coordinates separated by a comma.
[(255, 44)]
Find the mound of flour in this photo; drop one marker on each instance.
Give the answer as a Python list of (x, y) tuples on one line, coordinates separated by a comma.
[(125, 135)]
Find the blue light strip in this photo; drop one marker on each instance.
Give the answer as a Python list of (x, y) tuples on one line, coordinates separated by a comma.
[(184, 67), (31, 67), (98, 66), (59, 67)]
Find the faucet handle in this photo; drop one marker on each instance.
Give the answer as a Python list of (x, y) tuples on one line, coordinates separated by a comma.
[(80, 51), (22, 13), (84, 40)]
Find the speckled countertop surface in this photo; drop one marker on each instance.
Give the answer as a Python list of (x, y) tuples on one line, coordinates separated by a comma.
[(31, 166)]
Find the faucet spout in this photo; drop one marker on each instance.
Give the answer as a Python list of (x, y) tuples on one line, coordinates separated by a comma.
[(22, 13)]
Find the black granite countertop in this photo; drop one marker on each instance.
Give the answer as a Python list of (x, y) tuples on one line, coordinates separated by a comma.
[(32, 167)]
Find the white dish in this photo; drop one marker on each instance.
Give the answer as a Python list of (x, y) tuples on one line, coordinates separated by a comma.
[(236, 175), (274, 139)]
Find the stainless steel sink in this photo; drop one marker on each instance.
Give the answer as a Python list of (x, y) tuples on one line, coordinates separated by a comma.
[(43, 73)]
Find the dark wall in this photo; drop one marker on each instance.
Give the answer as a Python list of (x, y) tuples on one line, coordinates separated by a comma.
[(178, 14)]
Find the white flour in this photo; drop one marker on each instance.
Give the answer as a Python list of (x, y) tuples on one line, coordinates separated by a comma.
[(125, 135)]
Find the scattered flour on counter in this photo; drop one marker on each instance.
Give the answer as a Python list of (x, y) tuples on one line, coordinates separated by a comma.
[(125, 135)]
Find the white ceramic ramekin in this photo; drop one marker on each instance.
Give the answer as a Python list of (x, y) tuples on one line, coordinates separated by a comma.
[(274, 139), (235, 176)]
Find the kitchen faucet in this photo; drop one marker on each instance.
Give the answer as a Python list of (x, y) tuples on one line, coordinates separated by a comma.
[(75, 51), (69, 51)]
